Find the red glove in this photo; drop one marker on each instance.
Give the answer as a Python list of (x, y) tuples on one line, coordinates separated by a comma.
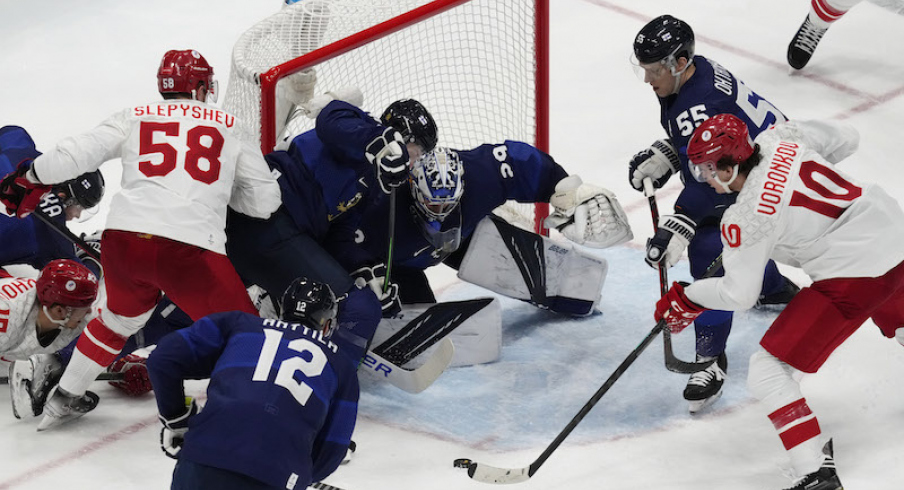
[(135, 381), (20, 195), (676, 309)]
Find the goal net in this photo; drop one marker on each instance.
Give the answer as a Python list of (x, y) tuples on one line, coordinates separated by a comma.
[(478, 66)]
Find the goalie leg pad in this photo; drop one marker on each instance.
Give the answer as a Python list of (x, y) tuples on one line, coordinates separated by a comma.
[(517, 263), (474, 326)]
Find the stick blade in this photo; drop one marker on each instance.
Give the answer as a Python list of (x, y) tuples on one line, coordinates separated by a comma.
[(491, 474)]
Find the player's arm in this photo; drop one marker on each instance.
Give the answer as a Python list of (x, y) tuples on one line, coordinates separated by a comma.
[(190, 353), (255, 190), (346, 130), (744, 266), (84, 153), (334, 438)]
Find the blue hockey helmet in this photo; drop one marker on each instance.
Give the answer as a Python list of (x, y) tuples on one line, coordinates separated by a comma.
[(86, 190), (311, 303), (410, 118), (664, 38)]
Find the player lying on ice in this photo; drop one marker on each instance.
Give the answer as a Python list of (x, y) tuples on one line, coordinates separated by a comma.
[(795, 207)]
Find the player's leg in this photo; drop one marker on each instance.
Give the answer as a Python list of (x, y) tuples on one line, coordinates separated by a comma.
[(131, 297), (272, 253), (889, 316), (823, 13), (711, 328)]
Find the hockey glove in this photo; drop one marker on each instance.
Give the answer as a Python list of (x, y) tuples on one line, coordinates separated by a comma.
[(658, 162), (19, 194), (299, 87), (135, 380), (676, 309), (173, 433), (375, 277), (389, 155), (93, 241), (313, 107), (587, 214), (673, 235)]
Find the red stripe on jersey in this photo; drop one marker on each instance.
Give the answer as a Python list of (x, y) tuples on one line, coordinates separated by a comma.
[(3, 273), (791, 412), (800, 433)]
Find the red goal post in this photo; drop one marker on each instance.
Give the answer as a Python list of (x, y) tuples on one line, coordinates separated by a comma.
[(480, 66)]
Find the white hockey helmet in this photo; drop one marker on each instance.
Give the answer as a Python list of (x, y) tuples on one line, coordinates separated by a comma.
[(436, 183)]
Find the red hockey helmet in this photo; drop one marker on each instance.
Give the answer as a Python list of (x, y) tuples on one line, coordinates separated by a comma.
[(721, 136), (68, 283), (182, 70)]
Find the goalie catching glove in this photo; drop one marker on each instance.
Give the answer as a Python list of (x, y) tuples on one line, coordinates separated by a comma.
[(375, 277), (173, 433), (658, 162), (587, 214), (21, 193), (677, 311), (389, 155), (674, 233)]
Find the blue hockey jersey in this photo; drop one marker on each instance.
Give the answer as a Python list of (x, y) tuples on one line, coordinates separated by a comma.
[(493, 174), (281, 401), (709, 91), (324, 173), (28, 240)]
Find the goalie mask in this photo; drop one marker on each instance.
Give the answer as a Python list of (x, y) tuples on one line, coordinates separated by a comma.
[(182, 71), (311, 303), (437, 187)]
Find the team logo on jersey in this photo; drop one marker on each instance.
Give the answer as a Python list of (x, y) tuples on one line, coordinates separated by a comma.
[(731, 235)]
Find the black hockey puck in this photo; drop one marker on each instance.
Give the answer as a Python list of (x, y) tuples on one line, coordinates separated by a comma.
[(462, 463)]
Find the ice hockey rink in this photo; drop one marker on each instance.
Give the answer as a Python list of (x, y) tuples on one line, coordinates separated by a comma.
[(68, 65)]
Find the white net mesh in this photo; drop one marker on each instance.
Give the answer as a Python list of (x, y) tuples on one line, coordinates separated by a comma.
[(472, 66)]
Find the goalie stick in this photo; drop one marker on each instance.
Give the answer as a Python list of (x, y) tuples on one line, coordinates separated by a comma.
[(411, 380), (672, 363)]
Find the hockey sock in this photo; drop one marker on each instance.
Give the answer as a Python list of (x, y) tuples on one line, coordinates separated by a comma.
[(96, 349), (799, 431), (822, 14)]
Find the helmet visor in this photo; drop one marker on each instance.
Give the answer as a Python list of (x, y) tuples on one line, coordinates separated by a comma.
[(703, 172)]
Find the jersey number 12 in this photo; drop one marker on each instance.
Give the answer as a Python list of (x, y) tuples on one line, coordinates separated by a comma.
[(285, 375)]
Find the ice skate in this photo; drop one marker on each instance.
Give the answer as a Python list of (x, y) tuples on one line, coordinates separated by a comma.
[(825, 478), (30, 380), (804, 44), (61, 407), (779, 298), (705, 387)]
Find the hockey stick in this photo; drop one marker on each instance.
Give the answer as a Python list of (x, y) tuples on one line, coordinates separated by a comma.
[(104, 376), (672, 363), (62, 230), (323, 486), (411, 380), (391, 232), (491, 474)]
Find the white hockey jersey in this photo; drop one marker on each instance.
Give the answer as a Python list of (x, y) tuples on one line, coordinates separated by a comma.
[(798, 209), (18, 317), (182, 163)]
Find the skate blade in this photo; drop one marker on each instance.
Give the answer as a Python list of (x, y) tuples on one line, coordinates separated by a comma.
[(697, 406)]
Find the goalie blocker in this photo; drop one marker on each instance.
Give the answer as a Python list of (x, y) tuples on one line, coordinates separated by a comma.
[(555, 275)]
